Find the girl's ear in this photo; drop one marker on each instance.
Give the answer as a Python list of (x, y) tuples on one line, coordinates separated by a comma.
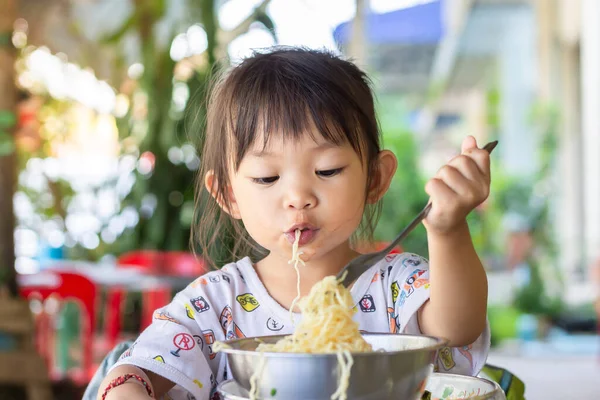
[(225, 200), (386, 165)]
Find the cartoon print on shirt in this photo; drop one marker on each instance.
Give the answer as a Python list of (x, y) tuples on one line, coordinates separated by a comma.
[(200, 304), (390, 257), (128, 352), (375, 277), (445, 358), (209, 339), (414, 281), (395, 291), (248, 302), (189, 311), (412, 260), (183, 341), (159, 358), (466, 352), (215, 278), (199, 341), (226, 278), (393, 321), (198, 282), (230, 329), (240, 274), (273, 325), (164, 316), (367, 304)]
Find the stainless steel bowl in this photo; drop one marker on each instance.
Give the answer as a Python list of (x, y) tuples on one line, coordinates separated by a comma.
[(397, 372), (451, 386), (230, 390)]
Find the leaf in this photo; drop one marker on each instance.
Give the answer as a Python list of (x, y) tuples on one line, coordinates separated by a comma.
[(8, 119), (159, 8), (7, 144), (226, 37), (121, 32), (267, 22)]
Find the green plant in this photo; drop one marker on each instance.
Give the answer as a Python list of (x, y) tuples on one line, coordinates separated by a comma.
[(533, 298), (406, 196), (168, 125)]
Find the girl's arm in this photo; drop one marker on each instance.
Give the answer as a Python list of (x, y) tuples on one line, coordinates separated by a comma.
[(457, 306), (133, 389)]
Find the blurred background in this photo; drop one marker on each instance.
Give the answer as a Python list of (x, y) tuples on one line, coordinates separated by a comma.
[(101, 121)]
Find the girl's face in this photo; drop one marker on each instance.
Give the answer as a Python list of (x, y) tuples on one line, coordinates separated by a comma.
[(307, 184)]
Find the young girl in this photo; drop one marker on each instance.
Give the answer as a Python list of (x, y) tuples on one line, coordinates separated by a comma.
[(293, 143)]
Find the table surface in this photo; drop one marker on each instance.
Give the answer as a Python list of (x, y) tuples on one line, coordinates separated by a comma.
[(108, 275)]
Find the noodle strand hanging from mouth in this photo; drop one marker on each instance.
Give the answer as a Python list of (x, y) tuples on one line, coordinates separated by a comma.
[(295, 260)]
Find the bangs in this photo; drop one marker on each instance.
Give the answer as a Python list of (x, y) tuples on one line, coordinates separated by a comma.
[(280, 98)]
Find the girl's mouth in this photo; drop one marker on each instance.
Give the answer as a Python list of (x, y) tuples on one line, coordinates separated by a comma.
[(307, 235)]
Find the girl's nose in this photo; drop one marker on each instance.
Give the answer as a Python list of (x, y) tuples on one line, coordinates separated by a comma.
[(300, 199)]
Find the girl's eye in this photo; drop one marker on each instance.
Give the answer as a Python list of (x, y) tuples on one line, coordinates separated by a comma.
[(265, 181), (329, 172)]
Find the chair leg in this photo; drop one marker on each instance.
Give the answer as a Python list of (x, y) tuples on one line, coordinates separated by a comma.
[(152, 300), (114, 313)]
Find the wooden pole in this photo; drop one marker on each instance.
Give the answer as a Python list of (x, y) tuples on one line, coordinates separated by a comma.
[(8, 162)]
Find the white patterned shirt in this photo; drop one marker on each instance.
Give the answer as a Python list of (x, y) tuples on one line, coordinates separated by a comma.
[(233, 303)]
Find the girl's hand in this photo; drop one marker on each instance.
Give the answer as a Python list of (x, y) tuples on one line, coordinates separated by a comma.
[(458, 187)]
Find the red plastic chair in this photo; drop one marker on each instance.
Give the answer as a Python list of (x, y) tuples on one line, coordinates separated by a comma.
[(148, 261), (153, 263), (181, 263), (63, 286), (383, 245), (365, 247)]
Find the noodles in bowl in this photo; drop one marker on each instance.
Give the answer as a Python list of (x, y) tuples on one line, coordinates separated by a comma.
[(317, 360), (326, 327)]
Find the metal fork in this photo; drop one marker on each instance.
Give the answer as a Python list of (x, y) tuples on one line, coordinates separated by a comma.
[(365, 261)]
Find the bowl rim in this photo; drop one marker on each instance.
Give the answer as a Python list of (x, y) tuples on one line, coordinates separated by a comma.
[(230, 395), (220, 386), (435, 346), (495, 385)]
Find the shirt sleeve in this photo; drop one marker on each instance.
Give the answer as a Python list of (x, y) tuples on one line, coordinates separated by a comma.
[(177, 347), (410, 290)]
